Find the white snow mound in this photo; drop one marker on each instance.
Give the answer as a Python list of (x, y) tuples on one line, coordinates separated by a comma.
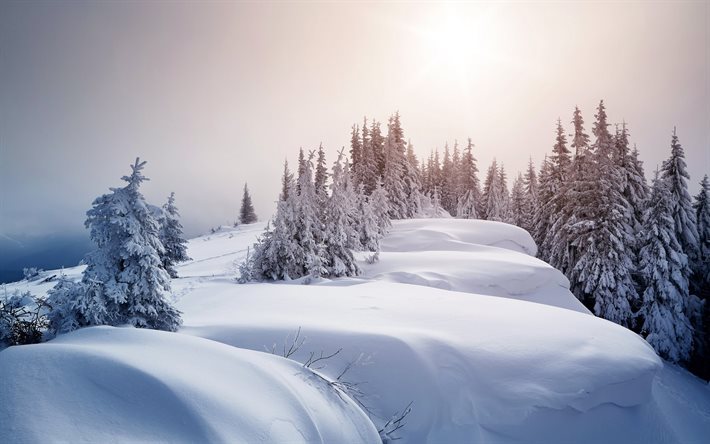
[(106, 384), (472, 256)]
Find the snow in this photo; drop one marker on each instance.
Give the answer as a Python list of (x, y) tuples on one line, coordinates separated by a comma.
[(457, 317), (107, 384), (472, 256)]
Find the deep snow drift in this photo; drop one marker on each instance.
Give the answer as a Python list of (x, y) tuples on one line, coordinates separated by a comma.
[(457, 316), (106, 384)]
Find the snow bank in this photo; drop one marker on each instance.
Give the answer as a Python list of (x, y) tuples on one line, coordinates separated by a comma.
[(456, 235), (470, 364), (472, 256), (108, 384)]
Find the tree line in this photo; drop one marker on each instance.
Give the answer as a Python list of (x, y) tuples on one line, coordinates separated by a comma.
[(635, 253)]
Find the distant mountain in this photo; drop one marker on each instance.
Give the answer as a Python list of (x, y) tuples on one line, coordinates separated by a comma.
[(52, 251)]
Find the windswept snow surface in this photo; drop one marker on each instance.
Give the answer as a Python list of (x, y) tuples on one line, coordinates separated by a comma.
[(106, 384), (457, 317), (472, 256)]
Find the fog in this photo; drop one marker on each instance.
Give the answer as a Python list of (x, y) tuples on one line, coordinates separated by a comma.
[(216, 95)]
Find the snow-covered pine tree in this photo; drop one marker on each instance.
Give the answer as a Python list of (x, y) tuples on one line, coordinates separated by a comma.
[(578, 193), (448, 184), (412, 182), (494, 201), (356, 154), (379, 203), (674, 171), (530, 202), (301, 169), (504, 194), (603, 270), (636, 189), (701, 279), (320, 181), (457, 187), (368, 170), (340, 227), (309, 232), (246, 212), (172, 238), (124, 281), (542, 220), (368, 229), (273, 256), (377, 146), (559, 171), (395, 169), (664, 269), (287, 182), (470, 185), (517, 202)]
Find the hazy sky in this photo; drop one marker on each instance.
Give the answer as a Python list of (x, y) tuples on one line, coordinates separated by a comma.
[(216, 94)]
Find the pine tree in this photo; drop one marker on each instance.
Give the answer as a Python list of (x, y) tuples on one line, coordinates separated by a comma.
[(246, 212), (543, 217), (558, 176), (412, 182), (356, 154), (700, 281), (635, 189), (578, 192), (603, 269), (340, 228), (124, 281), (448, 185), (702, 213), (377, 147), (470, 185), (517, 202), (504, 195), (663, 266), (368, 228), (674, 171), (309, 228), (368, 171), (287, 183), (395, 168), (321, 175), (530, 199), (379, 204), (172, 238)]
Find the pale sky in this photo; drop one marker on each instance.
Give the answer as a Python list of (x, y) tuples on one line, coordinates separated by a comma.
[(216, 94)]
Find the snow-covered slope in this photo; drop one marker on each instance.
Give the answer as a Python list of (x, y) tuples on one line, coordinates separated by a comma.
[(471, 256), (500, 352), (106, 384)]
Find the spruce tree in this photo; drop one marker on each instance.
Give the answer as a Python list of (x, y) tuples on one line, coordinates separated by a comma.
[(124, 281), (530, 202), (287, 183), (664, 269), (603, 269), (674, 172), (395, 169), (246, 212), (470, 185), (172, 238), (701, 205), (517, 202), (356, 154), (412, 182), (340, 229)]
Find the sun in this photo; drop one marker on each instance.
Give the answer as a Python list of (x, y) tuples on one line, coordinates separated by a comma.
[(457, 44)]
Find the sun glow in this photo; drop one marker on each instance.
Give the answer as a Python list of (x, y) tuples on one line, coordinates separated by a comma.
[(458, 45)]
